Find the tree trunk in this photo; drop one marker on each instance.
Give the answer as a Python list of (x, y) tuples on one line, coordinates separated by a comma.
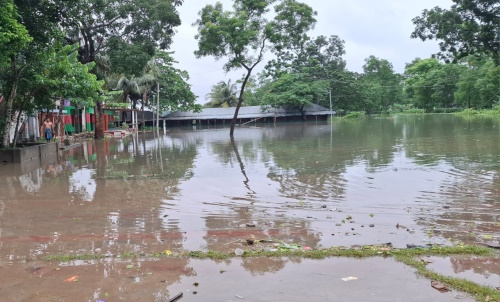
[(240, 101), (8, 109), (77, 119), (16, 132), (99, 123), (303, 113), (58, 123)]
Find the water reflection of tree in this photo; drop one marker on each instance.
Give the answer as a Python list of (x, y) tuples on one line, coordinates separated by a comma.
[(263, 265), (310, 162), (483, 266)]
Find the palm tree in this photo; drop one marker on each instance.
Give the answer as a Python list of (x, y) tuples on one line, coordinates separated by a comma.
[(223, 95)]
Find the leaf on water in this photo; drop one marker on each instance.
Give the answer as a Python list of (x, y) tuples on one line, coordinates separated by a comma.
[(130, 266), (168, 252), (488, 236)]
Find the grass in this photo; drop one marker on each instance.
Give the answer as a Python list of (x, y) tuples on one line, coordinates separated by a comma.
[(405, 256), (481, 112), (360, 252), (480, 293)]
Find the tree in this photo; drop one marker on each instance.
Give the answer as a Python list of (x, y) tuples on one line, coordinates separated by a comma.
[(244, 34), (293, 91), (175, 91), (348, 92), (222, 95), (469, 27), (124, 34), (479, 83), (431, 84), (52, 73), (13, 38), (321, 58), (383, 86)]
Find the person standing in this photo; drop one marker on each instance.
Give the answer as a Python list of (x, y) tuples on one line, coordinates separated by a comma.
[(47, 130)]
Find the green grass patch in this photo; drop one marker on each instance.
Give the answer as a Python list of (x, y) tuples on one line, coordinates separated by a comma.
[(480, 293), (358, 252), (68, 257)]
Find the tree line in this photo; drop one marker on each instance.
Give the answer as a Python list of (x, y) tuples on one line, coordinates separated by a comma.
[(306, 70)]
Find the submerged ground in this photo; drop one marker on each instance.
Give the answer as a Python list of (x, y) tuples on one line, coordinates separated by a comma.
[(123, 215)]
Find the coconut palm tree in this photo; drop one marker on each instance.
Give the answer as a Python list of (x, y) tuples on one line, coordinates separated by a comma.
[(223, 95)]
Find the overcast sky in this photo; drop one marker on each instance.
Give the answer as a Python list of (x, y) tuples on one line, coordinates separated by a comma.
[(369, 27)]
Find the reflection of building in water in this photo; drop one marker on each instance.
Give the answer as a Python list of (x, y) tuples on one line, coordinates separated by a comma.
[(31, 182)]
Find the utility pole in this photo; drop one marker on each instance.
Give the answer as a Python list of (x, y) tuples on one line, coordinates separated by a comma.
[(330, 92), (158, 106)]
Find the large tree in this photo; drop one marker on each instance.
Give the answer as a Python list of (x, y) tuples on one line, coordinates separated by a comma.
[(320, 58), (244, 33), (13, 38), (383, 86), (479, 83), (469, 27), (118, 35), (431, 84), (295, 91)]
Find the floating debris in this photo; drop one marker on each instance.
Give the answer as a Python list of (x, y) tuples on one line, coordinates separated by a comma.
[(439, 286), (176, 297)]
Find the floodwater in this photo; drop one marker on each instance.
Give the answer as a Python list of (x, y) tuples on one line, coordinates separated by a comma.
[(431, 179)]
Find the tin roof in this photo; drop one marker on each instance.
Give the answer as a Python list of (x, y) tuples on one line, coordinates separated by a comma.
[(245, 112)]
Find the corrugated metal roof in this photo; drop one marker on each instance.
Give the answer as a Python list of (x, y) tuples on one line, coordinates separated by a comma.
[(245, 112)]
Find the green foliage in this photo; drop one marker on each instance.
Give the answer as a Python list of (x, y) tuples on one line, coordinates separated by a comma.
[(222, 95), (478, 84), (469, 27), (404, 109), (294, 91), (175, 92), (60, 74), (13, 36), (382, 85), (482, 112), (431, 84), (355, 114)]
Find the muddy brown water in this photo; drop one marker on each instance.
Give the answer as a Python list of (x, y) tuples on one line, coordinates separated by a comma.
[(432, 179)]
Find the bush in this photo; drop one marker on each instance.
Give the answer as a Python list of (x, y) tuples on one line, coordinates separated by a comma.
[(404, 109), (355, 114), (447, 110), (468, 111)]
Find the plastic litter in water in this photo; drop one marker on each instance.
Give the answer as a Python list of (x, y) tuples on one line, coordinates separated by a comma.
[(238, 252)]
